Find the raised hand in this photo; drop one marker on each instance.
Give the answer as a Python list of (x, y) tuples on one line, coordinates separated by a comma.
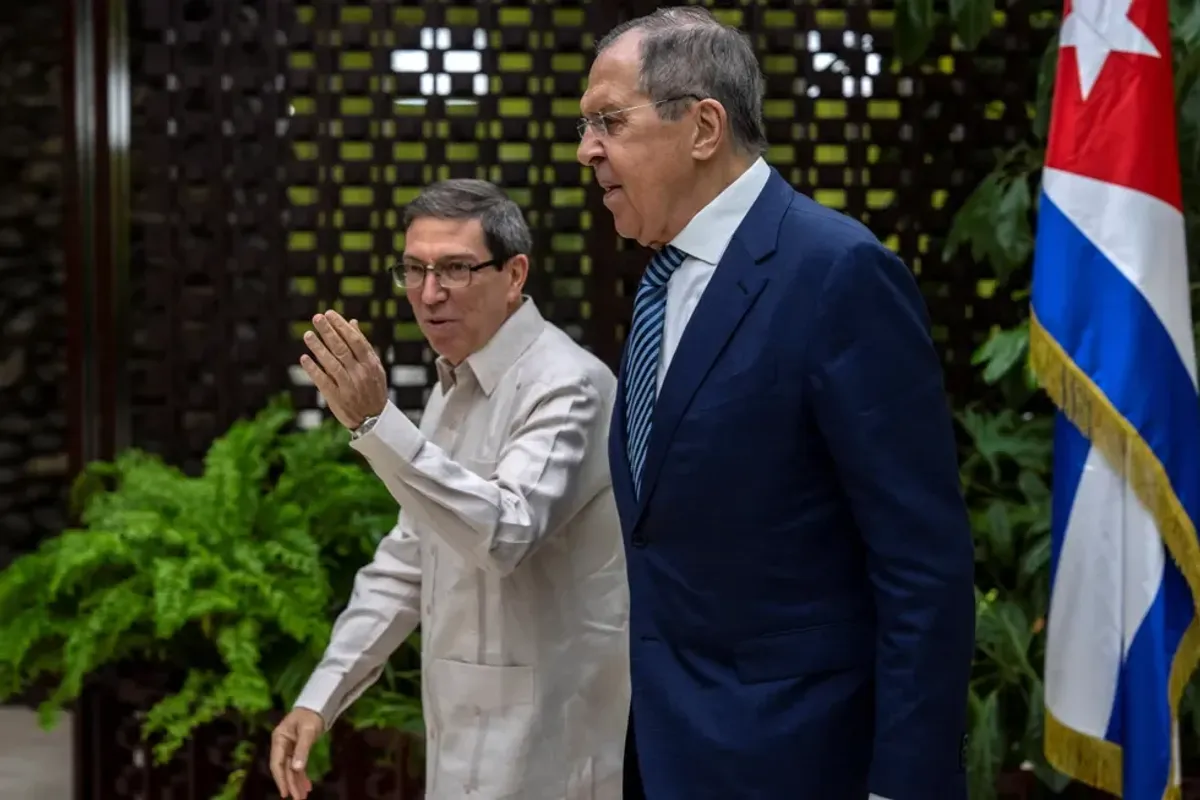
[(346, 370)]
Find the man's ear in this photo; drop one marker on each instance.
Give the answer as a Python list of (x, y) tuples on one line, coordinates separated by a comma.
[(710, 120), (518, 269)]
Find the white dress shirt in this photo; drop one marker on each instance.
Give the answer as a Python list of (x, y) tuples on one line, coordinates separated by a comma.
[(508, 554), (705, 240)]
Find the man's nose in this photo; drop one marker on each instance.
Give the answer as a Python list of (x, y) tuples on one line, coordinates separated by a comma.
[(431, 291), (589, 150)]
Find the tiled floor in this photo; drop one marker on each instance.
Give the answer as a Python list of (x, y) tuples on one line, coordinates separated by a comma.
[(34, 764)]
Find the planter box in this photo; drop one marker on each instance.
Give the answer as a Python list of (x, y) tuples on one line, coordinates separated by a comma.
[(113, 764)]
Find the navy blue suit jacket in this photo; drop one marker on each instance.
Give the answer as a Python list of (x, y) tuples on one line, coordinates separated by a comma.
[(800, 561)]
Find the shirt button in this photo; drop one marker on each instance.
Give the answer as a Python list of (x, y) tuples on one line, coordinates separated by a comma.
[(639, 540)]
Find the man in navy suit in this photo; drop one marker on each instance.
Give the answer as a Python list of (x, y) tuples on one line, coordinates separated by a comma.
[(799, 556)]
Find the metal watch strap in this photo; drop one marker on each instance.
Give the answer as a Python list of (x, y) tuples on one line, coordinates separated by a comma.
[(364, 428)]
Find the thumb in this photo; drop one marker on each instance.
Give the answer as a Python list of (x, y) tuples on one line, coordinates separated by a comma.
[(305, 737)]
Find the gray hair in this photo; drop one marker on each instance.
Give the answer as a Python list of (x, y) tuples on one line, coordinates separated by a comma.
[(687, 53), (504, 228)]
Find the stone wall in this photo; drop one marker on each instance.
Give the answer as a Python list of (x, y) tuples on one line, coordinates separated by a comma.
[(33, 426)]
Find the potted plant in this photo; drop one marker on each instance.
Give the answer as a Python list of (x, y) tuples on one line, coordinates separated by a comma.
[(229, 580)]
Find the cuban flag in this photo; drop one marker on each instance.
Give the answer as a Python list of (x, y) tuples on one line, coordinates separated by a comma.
[(1111, 341)]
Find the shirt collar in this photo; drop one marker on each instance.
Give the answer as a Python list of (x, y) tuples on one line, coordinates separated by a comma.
[(709, 232), (490, 362)]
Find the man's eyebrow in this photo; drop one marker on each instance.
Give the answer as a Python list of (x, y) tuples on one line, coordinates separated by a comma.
[(463, 256), (605, 111), (607, 106)]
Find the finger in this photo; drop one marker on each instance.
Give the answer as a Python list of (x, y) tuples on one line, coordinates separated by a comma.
[(298, 790), (327, 389), (329, 361), (281, 748), (297, 777), (319, 377), (353, 337), (304, 743), (295, 782), (331, 336), (295, 785), (374, 354)]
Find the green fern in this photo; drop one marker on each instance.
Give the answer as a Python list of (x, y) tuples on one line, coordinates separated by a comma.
[(231, 578)]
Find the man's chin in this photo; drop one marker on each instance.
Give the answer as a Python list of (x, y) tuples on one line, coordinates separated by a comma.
[(626, 227), (441, 341)]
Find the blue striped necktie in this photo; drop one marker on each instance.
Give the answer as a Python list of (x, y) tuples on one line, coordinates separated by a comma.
[(642, 356)]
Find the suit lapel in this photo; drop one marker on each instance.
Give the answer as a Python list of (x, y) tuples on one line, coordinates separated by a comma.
[(735, 285)]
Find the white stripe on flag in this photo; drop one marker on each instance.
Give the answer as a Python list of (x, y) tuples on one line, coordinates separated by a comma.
[(1109, 571), (1143, 237)]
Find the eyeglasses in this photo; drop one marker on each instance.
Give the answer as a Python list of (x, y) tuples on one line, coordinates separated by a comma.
[(449, 275), (598, 123)]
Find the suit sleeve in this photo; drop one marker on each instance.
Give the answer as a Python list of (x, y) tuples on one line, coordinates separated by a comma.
[(881, 407)]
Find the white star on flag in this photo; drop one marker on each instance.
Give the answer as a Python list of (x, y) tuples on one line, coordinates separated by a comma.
[(1096, 28)]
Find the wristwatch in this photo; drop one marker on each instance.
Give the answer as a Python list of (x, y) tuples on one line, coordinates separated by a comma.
[(364, 428)]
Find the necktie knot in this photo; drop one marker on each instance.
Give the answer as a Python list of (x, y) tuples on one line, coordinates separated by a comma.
[(662, 266)]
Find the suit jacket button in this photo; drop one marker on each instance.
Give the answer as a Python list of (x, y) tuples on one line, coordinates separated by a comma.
[(639, 540)]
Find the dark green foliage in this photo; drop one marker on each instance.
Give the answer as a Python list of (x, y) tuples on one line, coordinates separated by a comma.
[(232, 579), (1005, 470)]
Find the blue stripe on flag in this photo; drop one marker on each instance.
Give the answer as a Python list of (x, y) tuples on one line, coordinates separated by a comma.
[(1142, 708), (1070, 454), (1111, 333)]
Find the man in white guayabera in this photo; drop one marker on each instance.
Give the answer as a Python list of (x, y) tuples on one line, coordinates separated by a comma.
[(507, 551)]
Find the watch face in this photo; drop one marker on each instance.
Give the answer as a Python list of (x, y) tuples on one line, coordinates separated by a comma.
[(364, 427)]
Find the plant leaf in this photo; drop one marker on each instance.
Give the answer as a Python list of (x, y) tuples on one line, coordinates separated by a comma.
[(1032, 487), (972, 222), (985, 745), (1003, 633), (999, 531), (1045, 89), (1004, 350), (914, 29), (1036, 558), (1014, 236), (972, 20)]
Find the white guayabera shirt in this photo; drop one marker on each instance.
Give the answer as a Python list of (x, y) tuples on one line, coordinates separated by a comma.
[(508, 554)]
